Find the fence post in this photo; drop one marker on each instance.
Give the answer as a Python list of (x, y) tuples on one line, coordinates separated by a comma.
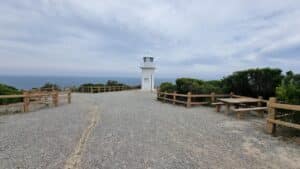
[(55, 98), (158, 94), (213, 97), (231, 94), (69, 97), (189, 99), (165, 97), (174, 97), (26, 101), (92, 90), (259, 104), (271, 127)]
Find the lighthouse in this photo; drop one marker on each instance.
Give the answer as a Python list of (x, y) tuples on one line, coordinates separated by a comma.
[(148, 69)]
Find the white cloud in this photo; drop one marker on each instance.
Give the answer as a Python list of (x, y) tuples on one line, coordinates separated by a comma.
[(198, 38)]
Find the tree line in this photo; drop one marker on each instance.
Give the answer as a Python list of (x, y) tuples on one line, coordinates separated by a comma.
[(266, 82)]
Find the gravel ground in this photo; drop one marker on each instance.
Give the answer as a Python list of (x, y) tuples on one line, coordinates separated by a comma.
[(132, 130), (44, 138)]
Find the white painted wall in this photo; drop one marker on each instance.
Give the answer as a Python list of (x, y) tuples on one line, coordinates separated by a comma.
[(148, 79)]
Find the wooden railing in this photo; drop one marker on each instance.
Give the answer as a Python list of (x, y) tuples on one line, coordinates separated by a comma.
[(40, 97), (101, 89), (188, 99), (273, 119)]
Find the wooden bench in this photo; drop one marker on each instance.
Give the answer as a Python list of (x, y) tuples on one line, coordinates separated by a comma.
[(239, 111), (218, 105)]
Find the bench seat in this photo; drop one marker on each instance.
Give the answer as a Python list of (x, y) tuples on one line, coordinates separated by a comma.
[(218, 105), (244, 110)]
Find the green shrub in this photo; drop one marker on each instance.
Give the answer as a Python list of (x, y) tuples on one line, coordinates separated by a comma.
[(253, 82), (213, 86), (108, 83), (113, 83), (9, 90), (208, 88), (185, 85), (167, 87), (49, 86), (289, 92)]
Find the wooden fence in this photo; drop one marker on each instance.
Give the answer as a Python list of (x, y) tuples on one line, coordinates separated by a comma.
[(273, 119), (101, 89), (47, 98), (188, 99)]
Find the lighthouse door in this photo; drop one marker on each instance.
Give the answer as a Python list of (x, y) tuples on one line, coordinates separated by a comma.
[(147, 84)]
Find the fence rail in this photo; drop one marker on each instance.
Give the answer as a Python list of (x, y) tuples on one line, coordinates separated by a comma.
[(30, 97), (187, 99), (101, 89), (273, 119)]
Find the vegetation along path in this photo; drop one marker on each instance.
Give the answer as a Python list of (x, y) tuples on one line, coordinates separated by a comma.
[(130, 129)]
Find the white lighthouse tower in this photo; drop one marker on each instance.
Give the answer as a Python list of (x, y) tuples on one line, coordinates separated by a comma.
[(148, 68)]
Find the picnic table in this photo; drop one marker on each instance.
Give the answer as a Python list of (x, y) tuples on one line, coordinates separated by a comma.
[(237, 101)]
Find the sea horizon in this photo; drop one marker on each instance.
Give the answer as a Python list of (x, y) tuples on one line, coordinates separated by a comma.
[(35, 81)]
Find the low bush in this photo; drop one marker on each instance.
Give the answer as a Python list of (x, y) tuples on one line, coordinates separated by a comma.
[(185, 85), (289, 92), (167, 87), (212, 86), (114, 83), (50, 86), (195, 86), (9, 90), (108, 83)]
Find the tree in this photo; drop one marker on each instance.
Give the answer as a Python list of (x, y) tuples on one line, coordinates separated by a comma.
[(289, 92), (253, 82)]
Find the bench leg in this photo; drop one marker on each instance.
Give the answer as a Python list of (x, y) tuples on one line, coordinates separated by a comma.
[(271, 128), (227, 109), (238, 115), (261, 113), (218, 107)]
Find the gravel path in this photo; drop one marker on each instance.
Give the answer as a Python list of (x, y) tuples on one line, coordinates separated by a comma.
[(132, 130)]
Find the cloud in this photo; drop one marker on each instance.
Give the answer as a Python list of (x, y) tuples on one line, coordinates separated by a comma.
[(204, 39)]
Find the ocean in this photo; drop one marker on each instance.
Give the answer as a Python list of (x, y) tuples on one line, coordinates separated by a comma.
[(29, 82)]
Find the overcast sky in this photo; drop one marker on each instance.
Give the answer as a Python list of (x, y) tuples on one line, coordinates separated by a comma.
[(203, 38)]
